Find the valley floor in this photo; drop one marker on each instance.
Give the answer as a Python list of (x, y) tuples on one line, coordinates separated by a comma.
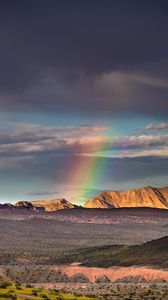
[(124, 258)]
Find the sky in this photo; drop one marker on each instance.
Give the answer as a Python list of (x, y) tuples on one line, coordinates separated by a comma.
[(83, 97)]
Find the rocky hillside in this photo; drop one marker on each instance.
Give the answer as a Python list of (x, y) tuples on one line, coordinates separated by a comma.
[(142, 197), (55, 204)]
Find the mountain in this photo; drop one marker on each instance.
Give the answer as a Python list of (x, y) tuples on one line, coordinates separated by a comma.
[(38, 205), (138, 198), (53, 205), (142, 197)]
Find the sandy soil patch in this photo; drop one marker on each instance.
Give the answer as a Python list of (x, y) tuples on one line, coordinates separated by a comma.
[(115, 273)]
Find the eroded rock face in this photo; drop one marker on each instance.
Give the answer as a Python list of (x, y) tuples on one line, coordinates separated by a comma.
[(142, 197)]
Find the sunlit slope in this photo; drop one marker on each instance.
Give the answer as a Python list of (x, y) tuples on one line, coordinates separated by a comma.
[(55, 204), (142, 197)]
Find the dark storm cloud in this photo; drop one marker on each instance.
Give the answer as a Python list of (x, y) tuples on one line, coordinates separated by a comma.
[(58, 169), (53, 55), (136, 168)]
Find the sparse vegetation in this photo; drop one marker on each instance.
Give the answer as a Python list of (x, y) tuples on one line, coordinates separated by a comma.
[(101, 291), (29, 248), (28, 293)]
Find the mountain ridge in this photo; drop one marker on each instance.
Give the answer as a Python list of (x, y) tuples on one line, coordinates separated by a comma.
[(148, 196), (142, 197)]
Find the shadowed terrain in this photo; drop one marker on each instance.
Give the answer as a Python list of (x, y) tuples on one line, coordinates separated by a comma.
[(152, 253)]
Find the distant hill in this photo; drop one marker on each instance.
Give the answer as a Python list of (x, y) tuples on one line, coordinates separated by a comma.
[(38, 206), (21, 206), (142, 197), (55, 204)]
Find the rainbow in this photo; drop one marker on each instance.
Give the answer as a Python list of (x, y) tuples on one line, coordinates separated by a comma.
[(88, 167)]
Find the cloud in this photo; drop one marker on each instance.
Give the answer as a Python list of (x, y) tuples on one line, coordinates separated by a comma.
[(158, 127), (25, 138), (101, 94), (42, 130), (72, 58), (44, 193), (141, 141), (31, 139), (159, 152)]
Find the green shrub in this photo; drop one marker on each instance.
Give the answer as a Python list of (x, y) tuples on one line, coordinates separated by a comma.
[(28, 285), (8, 295), (4, 285), (34, 293)]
